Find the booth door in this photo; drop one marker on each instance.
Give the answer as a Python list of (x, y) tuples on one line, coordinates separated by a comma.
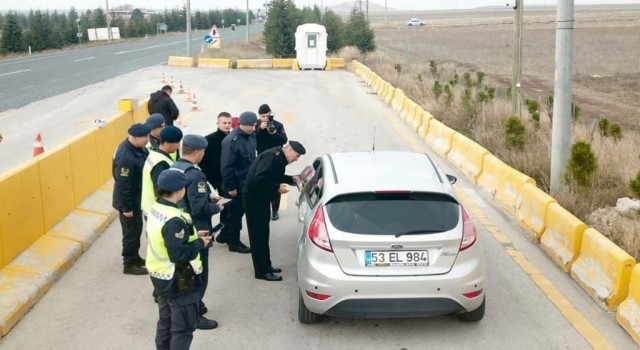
[(313, 55)]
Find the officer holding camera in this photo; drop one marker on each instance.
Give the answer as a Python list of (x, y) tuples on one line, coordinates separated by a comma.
[(269, 134)]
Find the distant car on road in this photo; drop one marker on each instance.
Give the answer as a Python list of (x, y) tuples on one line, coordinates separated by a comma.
[(415, 22), (382, 234)]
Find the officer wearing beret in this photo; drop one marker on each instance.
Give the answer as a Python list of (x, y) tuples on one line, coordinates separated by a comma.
[(266, 178), (200, 203), (157, 161), (155, 123), (127, 165), (269, 134), (174, 264), (238, 152)]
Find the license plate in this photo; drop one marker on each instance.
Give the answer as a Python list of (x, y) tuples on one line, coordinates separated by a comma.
[(403, 258)]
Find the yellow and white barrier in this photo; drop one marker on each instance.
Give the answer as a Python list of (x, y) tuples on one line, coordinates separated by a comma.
[(181, 61), (254, 63), (397, 103), (423, 128), (562, 236), (467, 156), (218, 63), (603, 269), (439, 137), (628, 314), (531, 209)]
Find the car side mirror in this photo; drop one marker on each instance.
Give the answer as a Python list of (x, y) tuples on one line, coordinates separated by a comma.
[(452, 179)]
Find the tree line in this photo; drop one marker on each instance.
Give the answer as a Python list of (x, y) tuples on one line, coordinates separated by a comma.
[(283, 18), (54, 30)]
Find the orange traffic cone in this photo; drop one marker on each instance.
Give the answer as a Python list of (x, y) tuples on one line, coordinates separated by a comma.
[(180, 89), (194, 103), (188, 97), (37, 146), (178, 123), (163, 80)]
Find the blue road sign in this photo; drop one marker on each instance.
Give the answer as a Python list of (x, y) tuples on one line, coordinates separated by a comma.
[(208, 39)]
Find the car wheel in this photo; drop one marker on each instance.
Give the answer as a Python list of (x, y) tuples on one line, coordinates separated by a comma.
[(473, 316), (304, 315)]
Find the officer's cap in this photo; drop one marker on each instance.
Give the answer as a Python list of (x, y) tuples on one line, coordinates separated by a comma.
[(264, 109), (155, 120), (298, 147), (171, 134), (172, 180), (247, 118), (195, 141), (139, 130)]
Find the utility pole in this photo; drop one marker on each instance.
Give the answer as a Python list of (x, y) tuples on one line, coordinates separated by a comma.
[(108, 24), (562, 95), (188, 28), (385, 12), (516, 74), (247, 22), (367, 10)]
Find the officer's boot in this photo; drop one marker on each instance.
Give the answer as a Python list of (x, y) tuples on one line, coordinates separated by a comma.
[(132, 268)]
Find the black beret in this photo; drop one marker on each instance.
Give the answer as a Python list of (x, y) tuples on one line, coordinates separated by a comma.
[(264, 109), (195, 141), (247, 118), (298, 147), (139, 130), (155, 120), (170, 134), (171, 180)]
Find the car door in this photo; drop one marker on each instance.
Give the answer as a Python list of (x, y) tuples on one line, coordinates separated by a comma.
[(310, 196)]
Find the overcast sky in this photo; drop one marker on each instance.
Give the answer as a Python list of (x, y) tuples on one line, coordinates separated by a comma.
[(254, 4)]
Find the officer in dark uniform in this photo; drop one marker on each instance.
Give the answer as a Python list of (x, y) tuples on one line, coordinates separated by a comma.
[(127, 165), (238, 152), (199, 203), (174, 264), (210, 164), (270, 133), (266, 178), (156, 124)]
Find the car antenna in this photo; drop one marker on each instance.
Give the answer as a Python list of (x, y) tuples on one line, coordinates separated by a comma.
[(374, 138)]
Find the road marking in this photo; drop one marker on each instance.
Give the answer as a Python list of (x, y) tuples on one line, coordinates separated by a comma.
[(77, 74), (28, 87), (54, 80), (147, 48), (84, 59), (570, 313), (16, 72)]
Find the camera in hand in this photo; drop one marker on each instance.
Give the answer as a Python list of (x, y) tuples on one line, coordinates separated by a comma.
[(271, 126)]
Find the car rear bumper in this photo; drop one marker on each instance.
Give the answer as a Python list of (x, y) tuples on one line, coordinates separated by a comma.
[(389, 296)]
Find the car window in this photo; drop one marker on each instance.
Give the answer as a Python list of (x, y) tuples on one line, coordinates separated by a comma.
[(392, 213), (313, 188)]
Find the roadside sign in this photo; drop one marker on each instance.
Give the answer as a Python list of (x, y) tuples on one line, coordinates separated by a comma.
[(208, 39)]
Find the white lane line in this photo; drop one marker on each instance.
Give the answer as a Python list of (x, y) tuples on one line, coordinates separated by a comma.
[(16, 72), (147, 48), (54, 80), (77, 74), (84, 59), (28, 87)]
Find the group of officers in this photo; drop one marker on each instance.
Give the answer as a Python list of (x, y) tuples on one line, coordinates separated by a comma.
[(178, 190)]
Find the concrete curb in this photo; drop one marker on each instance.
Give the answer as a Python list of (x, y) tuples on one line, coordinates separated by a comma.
[(28, 277)]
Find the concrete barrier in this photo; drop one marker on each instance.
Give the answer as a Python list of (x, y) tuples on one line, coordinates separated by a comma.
[(397, 103), (423, 128), (254, 63), (510, 186), (181, 61), (141, 113), (439, 137), (562, 237), (107, 140), (336, 62), (531, 209), (408, 110), (56, 185), (84, 165), (489, 178), (390, 94), (628, 314), (603, 269), (218, 63), (467, 156), (416, 121)]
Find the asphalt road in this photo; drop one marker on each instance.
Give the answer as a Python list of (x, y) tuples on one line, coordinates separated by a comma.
[(27, 79), (95, 306)]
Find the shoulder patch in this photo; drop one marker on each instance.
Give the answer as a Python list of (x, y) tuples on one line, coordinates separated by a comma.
[(202, 187), (180, 234), (124, 172)]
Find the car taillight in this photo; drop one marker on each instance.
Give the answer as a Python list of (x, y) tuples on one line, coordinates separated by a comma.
[(469, 234), (318, 296), (318, 231), (473, 294)]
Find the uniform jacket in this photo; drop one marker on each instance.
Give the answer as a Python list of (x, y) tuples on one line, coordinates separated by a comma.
[(265, 176), (238, 152), (197, 199), (210, 163), (266, 140), (161, 102), (127, 173)]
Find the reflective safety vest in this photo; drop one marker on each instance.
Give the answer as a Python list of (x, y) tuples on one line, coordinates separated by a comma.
[(157, 262), (148, 194)]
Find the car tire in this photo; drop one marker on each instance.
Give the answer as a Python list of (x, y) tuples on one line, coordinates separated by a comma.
[(304, 315), (473, 316)]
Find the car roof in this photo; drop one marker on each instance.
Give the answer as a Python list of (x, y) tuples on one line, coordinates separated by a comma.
[(369, 171)]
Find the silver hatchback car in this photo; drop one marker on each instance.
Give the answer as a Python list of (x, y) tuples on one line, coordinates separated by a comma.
[(383, 235)]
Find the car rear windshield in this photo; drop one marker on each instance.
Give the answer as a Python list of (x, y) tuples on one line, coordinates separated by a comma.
[(393, 213)]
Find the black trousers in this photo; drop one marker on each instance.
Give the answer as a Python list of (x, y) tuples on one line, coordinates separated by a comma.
[(204, 257), (178, 320), (131, 232), (275, 203), (231, 217), (258, 218)]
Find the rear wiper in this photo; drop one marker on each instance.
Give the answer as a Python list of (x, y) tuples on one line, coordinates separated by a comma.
[(418, 231)]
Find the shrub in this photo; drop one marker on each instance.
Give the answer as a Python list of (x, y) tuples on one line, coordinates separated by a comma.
[(515, 133), (603, 127), (615, 131), (491, 92), (582, 165), (533, 107), (419, 77), (468, 83), (437, 89), (480, 76), (635, 185), (433, 69), (482, 96), (398, 68), (448, 95)]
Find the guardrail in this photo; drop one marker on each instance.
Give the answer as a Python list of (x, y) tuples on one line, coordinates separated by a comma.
[(599, 266), (262, 63)]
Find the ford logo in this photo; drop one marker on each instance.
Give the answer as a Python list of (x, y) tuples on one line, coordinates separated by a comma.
[(397, 246)]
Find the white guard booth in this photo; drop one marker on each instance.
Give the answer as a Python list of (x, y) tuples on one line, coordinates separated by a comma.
[(311, 46)]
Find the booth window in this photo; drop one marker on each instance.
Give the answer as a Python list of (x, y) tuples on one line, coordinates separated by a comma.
[(311, 41)]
